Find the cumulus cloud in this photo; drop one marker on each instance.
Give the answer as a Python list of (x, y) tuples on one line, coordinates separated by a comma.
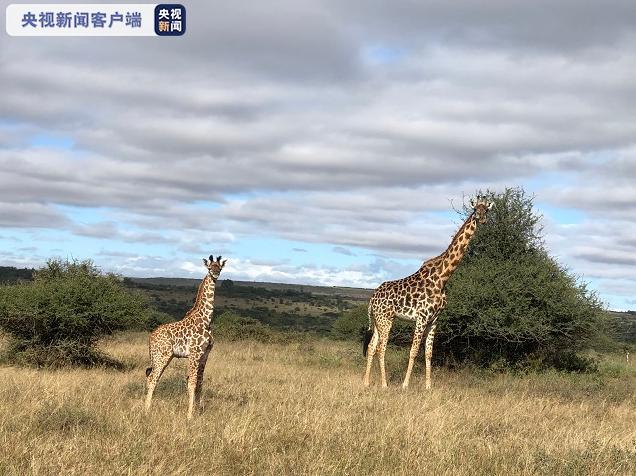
[(355, 124)]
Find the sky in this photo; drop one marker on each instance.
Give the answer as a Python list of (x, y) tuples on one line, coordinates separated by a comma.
[(323, 141)]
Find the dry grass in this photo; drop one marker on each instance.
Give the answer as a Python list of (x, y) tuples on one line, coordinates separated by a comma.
[(301, 409)]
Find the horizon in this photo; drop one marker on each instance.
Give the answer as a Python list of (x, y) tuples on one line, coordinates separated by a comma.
[(195, 279)]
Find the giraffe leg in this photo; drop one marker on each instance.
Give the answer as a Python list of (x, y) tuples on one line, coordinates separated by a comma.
[(415, 347), (159, 363), (193, 378), (429, 354), (200, 371), (384, 330), (370, 354)]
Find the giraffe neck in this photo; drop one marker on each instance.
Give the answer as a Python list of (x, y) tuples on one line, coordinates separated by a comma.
[(204, 304), (448, 261)]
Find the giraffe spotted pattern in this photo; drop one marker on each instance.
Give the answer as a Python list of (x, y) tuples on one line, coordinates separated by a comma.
[(419, 297), (190, 338)]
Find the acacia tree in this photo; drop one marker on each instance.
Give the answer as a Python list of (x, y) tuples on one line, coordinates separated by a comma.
[(509, 302), (59, 316)]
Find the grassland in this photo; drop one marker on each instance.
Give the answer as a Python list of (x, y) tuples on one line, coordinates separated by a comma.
[(300, 408)]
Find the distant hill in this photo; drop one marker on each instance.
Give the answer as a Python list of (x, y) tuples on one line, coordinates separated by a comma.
[(283, 306), (624, 326), (288, 306), (10, 274), (352, 293)]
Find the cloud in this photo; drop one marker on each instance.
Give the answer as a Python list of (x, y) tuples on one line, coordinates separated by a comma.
[(110, 230), (248, 270), (607, 256), (354, 124), (30, 215), (343, 251)]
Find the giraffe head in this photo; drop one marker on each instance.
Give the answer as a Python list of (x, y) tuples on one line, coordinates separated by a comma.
[(481, 207), (214, 267)]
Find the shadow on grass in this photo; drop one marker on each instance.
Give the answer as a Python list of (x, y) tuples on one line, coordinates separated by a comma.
[(68, 418), (239, 398), (168, 387), (176, 387), (58, 356)]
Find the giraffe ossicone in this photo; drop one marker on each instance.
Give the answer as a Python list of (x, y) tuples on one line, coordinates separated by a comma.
[(419, 297), (190, 338)]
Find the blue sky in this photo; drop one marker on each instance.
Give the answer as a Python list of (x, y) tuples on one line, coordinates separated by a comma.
[(322, 142)]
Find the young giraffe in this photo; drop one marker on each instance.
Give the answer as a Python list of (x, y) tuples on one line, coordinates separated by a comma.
[(190, 337), (419, 297)]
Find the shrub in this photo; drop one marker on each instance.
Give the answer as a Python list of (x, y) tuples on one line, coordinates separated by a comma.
[(58, 317), (509, 303), (352, 324), (229, 326), (155, 319)]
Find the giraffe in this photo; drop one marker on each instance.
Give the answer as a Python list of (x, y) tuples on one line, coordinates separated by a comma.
[(419, 297), (190, 337)]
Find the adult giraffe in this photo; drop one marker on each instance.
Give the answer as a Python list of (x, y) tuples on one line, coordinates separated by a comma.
[(190, 337), (419, 297)]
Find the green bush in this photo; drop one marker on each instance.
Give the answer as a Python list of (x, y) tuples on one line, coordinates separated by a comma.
[(155, 319), (57, 318), (509, 303), (229, 326), (353, 323)]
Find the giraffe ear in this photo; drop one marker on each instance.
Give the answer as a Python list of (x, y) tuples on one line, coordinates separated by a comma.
[(205, 262), (490, 205), (472, 202), (223, 263)]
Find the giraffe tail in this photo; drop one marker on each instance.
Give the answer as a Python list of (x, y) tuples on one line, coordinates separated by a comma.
[(365, 343), (148, 370), (367, 335)]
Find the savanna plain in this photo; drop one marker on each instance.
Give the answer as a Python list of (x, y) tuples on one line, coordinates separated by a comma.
[(299, 407)]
